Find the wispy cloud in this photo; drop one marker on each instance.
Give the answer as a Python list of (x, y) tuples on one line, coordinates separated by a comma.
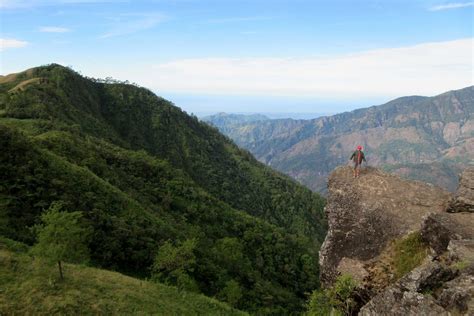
[(7, 43), (238, 19), (133, 22), (449, 6), (53, 29), (426, 69)]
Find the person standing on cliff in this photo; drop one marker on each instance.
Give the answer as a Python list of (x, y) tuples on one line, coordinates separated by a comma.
[(357, 156)]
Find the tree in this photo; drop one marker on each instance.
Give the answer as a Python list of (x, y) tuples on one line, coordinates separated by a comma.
[(174, 264), (231, 293), (62, 237)]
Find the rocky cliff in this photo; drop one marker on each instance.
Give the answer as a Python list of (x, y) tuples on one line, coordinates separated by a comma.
[(409, 245)]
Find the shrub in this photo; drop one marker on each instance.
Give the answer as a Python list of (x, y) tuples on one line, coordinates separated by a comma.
[(338, 299)]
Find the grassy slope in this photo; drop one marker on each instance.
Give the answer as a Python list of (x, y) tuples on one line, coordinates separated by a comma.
[(28, 286)]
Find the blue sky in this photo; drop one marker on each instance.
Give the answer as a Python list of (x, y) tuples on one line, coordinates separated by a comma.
[(251, 56)]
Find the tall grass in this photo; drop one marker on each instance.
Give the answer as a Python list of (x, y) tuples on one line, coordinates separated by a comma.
[(409, 252)]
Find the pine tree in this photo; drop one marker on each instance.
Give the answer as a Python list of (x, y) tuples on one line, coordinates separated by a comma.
[(62, 237)]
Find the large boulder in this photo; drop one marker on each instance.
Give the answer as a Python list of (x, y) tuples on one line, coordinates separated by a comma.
[(395, 302), (430, 289), (463, 200), (426, 277), (462, 251), (433, 288), (366, 213), (458, 295), (444, 283), (439, 229)]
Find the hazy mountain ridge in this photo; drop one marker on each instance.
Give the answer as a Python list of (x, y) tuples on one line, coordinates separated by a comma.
[(222, 119), (426, 138)]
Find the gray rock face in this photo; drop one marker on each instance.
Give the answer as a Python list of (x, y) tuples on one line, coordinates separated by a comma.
[(426, 277), (448, 277), (434, 288), (462, 251), (458, 295), (366, 213), (395, 302), (439, 229), (464, 199), (409, 295)]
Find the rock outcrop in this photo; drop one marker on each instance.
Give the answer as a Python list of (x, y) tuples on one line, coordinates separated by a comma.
[(437, 230), (398, 302), (409, 296), (463, 201), (367, 215)]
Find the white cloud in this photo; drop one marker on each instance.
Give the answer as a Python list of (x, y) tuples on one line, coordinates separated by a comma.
[(53, 29), (425, 69), (451, 6), (132, 23), (7, 43)]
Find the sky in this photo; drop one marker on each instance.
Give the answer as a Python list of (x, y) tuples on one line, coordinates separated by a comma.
[(211, 56)]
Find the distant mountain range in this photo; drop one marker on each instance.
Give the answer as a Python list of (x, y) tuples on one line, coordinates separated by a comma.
[(263, 115), (225, 119), (422, 138)]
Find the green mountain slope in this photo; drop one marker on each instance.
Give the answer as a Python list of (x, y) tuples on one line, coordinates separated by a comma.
[(143, 173), (229, 121), (424, 138), (30, 287), (222, 119)]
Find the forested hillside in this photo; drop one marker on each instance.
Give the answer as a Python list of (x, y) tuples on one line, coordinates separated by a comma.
[(151, 179), (422, 138), (224, 119)]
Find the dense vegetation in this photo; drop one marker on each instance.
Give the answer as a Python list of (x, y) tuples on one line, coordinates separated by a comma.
[(166, 196), (340, 299), (30, 287)]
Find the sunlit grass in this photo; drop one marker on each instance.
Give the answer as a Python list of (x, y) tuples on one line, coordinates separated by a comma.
[(29, 286)]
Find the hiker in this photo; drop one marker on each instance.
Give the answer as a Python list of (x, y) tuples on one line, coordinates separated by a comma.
[(357, 157)]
